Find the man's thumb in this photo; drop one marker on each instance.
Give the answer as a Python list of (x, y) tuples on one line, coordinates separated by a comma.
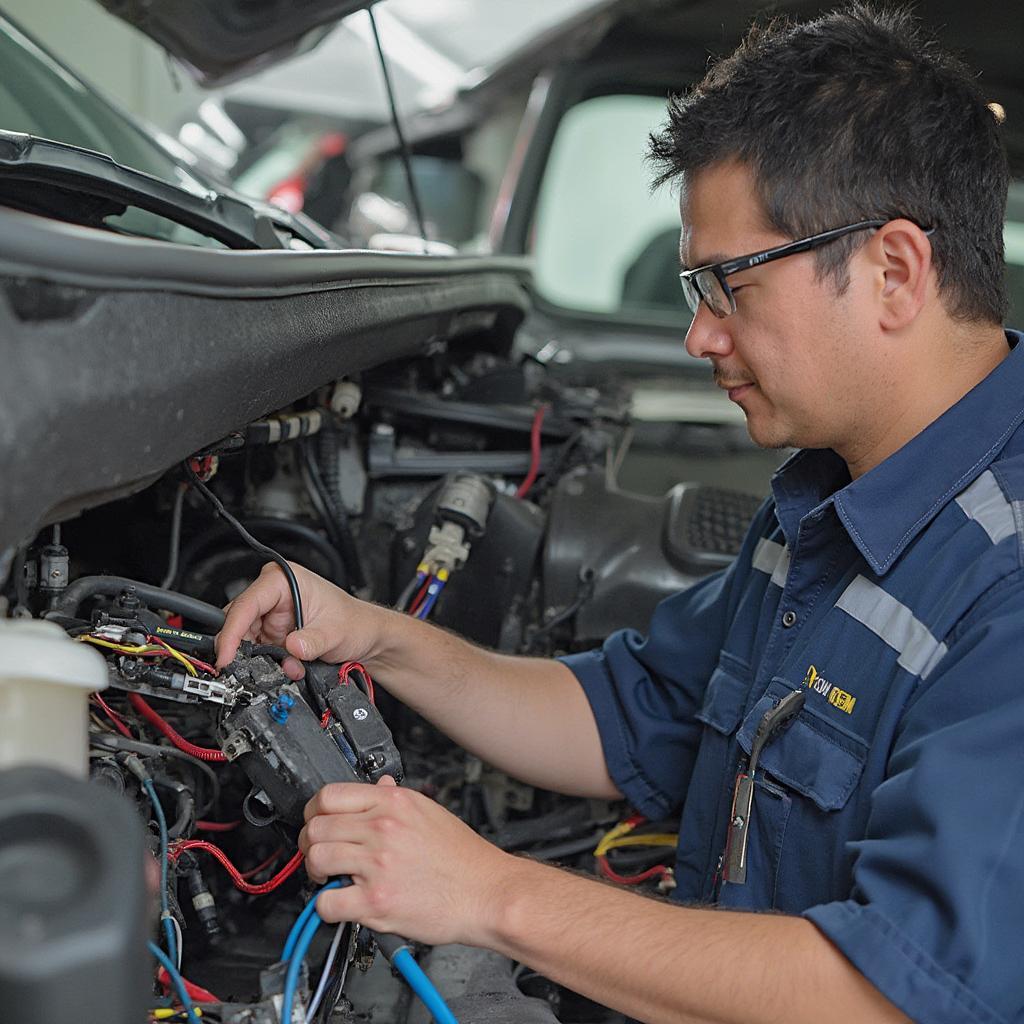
[(307, 644)]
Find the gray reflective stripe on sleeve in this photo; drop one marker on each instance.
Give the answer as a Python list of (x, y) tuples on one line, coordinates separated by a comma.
[(984, 502), (894, 623), (772, 558)]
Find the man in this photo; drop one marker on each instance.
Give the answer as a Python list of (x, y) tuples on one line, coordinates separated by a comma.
[(838, 715)]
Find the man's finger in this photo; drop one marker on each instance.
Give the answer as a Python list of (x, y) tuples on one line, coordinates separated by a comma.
[(348, 904), (327, 860), (335, 828), (343, 798), (247, 609)]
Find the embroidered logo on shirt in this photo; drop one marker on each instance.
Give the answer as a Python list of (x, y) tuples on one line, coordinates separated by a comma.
[(833, 694)]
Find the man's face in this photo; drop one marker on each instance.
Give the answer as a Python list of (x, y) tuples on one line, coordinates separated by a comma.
[(788, 356)]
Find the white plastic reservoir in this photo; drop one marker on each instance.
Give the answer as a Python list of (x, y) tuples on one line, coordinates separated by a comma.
[(45, 682)]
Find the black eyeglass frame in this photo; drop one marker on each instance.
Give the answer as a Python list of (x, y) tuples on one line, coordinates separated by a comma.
[(690, 281)]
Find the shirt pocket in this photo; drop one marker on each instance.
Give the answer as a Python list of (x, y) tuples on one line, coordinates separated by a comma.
[(801, 816), (725, 695)]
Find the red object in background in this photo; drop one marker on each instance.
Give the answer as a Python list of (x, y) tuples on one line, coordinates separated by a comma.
[(197, 993), (290, 192)]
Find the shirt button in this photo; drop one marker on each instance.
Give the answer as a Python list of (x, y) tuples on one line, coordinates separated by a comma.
[(788, 619)]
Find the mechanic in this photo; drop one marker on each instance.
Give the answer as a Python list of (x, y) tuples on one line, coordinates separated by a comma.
[(843, 187)]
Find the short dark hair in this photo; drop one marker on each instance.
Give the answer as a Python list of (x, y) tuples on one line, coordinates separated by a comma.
[(855, 116)]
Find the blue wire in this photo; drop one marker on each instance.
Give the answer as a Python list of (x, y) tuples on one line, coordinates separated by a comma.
[(432, 594), (297, 945), (165, 907), (176, 980), (310, 908), (291, 981), (403, 962)]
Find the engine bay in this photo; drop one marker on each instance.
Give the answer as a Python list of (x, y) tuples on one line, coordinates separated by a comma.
[(471, 490)]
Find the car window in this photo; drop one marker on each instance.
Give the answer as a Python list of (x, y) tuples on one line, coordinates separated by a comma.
[(603, 243), (40, 97)]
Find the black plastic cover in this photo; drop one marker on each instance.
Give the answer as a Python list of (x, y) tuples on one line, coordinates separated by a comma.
[(639, 549), (292, 758)]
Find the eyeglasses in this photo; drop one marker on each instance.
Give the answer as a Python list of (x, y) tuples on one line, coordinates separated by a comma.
[(709, 282)]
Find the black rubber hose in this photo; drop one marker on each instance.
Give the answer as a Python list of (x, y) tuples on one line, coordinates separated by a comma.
[(336, 520), (110, 586)]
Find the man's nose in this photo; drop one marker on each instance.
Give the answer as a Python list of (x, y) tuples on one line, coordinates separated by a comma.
[(708, 335)]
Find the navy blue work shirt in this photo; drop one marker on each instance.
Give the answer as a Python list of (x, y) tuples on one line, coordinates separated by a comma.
[(890, 812)]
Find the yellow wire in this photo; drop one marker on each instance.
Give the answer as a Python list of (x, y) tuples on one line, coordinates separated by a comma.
[(619, 836), (178, 656), (653, 839), (620, 830), (162, 648), (122, 648)]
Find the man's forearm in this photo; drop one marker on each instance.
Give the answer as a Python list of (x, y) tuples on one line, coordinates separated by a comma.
[(659, 962), (526, 716)]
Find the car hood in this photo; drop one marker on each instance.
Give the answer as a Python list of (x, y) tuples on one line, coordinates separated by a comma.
[(221, 40)]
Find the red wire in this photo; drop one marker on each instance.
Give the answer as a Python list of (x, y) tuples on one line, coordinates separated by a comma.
[(658, 871), (206, 667), (415, 606), (236, 876), (217, 826), (203, 753), (252, 872), (116, 720), (538, 421), (345, 673), (197, 993)]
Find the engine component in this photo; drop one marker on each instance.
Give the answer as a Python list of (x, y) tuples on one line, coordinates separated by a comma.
[(462, 508), (364, 733), (488, 601), (45, 680), (54, 568), (638, 549), (72, 899), (288, 754), (345, 398)]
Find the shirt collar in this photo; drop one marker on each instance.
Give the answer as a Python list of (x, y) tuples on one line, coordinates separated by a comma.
[(886, 508)]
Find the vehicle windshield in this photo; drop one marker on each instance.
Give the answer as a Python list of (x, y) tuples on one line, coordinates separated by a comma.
[(38, 96)]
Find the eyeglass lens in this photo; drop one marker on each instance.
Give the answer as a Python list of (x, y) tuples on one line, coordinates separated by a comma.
[(706, 286)]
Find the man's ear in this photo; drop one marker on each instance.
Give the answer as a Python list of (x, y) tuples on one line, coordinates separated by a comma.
[(901, 253)]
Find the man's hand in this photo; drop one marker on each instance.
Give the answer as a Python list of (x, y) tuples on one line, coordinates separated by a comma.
[(418, 871), (338, 627)]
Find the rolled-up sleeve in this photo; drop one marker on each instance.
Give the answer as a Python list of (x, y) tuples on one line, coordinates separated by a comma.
[(646, 690), (937, 908)]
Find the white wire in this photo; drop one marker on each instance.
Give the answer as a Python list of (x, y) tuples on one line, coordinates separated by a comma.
[(180, 941), (322, 987)]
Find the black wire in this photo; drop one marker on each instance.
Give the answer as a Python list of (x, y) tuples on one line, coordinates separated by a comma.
[(262, 549), (111, 741), (583, 595), (175, 539), (403, 146)]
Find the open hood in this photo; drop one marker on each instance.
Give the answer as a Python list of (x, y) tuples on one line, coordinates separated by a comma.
[(221, 40)]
